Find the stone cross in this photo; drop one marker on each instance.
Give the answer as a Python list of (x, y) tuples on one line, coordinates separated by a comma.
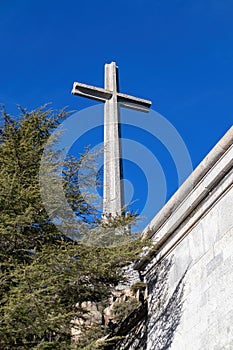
[(113, 196)]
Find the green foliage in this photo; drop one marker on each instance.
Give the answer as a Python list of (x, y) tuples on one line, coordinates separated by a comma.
[(44, 275), (122, 309), (141, 286)]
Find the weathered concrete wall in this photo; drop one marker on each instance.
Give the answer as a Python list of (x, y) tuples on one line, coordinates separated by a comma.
[(190, 306), (207, 314)]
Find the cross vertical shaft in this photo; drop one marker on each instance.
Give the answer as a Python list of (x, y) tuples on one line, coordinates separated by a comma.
[(113, 200)]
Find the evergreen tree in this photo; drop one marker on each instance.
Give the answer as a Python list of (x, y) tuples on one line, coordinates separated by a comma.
[(46, 275)]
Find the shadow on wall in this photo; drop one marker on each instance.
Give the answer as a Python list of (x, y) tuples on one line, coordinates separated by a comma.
[(152, 326), (164, 308), (132, 332)]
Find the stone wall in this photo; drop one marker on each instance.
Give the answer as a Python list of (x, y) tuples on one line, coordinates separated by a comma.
[(190, 278)]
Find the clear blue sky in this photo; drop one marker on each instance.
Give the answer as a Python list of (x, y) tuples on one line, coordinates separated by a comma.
[(177, 53)]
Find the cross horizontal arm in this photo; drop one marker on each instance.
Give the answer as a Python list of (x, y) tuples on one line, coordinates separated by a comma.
[(132, 102), (102, 95), (92, 92)]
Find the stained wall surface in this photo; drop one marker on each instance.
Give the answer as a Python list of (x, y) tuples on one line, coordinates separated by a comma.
[(206, 317), (190, 279)]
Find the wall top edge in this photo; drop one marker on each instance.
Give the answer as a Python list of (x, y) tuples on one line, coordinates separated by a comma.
[(192, 182)]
